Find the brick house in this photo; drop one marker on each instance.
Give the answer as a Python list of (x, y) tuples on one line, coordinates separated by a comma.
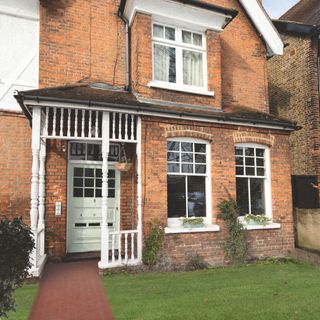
[(149, 111), (294, 93)]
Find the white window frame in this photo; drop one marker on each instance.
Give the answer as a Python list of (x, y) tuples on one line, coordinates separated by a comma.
[(266, 177), (174, 222), (179, 47)]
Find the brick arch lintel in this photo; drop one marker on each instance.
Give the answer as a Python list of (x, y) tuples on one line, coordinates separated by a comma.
[(254, 137), (182, 131)]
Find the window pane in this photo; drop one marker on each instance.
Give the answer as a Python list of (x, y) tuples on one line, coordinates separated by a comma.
[(173, 167), (260, 152), (257, 196), (192, 68), (176, 197), (239, 161), (78, 182), (186, 37), (197, 39), (78, 193), (111, 183), (199, 147), (157, 31), (187, 168), (88, 193), (114, 153), (249, 152), (78, 151), (173, 156), (111, 193), (89, 172), (249, 161), (260, 172), (200, 168), (242, 195), (239, 171), (89, 182), (260, 162), (98, 193), (250, 171), (170, 33), (186, 146), (164, 63), (173, 145), (238, 151), (111, 173), (187, 157), (200, 158), (78, 172), (98, 183), (196, 196), (94, 152)]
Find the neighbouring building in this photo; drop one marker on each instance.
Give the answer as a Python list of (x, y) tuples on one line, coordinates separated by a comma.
[(19, 70), (149, 111), (294, 93)]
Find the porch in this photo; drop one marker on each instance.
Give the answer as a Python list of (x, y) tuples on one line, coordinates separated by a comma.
[(95, 138)]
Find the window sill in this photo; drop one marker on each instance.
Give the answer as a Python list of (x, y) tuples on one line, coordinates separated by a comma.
[(207, 228), (174, 87), (261, 227), (271, 225)]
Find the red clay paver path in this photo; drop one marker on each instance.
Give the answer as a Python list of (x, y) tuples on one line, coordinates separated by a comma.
[(71, 291)]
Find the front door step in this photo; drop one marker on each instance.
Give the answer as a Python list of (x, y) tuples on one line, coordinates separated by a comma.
[(93, 255), (72, 257)]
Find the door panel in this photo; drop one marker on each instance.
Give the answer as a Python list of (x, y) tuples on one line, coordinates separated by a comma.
[(85, 201)]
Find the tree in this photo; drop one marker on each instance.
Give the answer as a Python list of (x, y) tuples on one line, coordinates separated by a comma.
[(16, 244)]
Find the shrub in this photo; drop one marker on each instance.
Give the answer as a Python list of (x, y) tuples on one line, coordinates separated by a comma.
[(16, 244), (152, 244), (236, 244), (196, 262)]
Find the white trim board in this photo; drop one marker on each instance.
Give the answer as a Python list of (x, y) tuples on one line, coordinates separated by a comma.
[(113, 108), (182, 14), (264, 25)]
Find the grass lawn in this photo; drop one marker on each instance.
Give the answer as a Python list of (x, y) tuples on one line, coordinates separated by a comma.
[(260, 291), (24, 297)]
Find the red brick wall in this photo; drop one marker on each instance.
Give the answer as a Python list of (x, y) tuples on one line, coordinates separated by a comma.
[(82, 39), (56, 191), (15, 165), (209, 245)]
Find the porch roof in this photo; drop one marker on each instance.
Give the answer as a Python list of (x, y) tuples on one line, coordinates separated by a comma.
[(93, 95)]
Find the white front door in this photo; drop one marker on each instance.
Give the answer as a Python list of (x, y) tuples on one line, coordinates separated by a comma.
[(84, 206)]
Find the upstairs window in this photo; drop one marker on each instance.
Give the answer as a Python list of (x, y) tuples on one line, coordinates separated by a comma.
[(179, 57)]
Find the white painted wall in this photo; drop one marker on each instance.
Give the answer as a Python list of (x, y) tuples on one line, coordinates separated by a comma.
[(19, 49)]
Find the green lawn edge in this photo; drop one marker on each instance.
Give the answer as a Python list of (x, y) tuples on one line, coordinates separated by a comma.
[(259, 291)]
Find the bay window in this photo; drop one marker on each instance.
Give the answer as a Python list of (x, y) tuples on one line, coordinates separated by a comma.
[(187, 179), (252, 179), (179, 58)]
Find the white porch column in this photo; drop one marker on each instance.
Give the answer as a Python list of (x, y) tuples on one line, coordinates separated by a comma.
[(42, 184), (139, 189), (103, 263), (35, 144), (42, 199)]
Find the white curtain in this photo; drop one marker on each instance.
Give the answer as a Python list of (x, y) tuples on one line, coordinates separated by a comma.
[(192, 68), (164, 63)]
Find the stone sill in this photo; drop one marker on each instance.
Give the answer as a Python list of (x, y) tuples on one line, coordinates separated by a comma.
[(207, 228), (180, 88), (260, 227)]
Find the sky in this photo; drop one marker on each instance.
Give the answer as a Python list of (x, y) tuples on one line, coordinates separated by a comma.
[(277, 8)]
